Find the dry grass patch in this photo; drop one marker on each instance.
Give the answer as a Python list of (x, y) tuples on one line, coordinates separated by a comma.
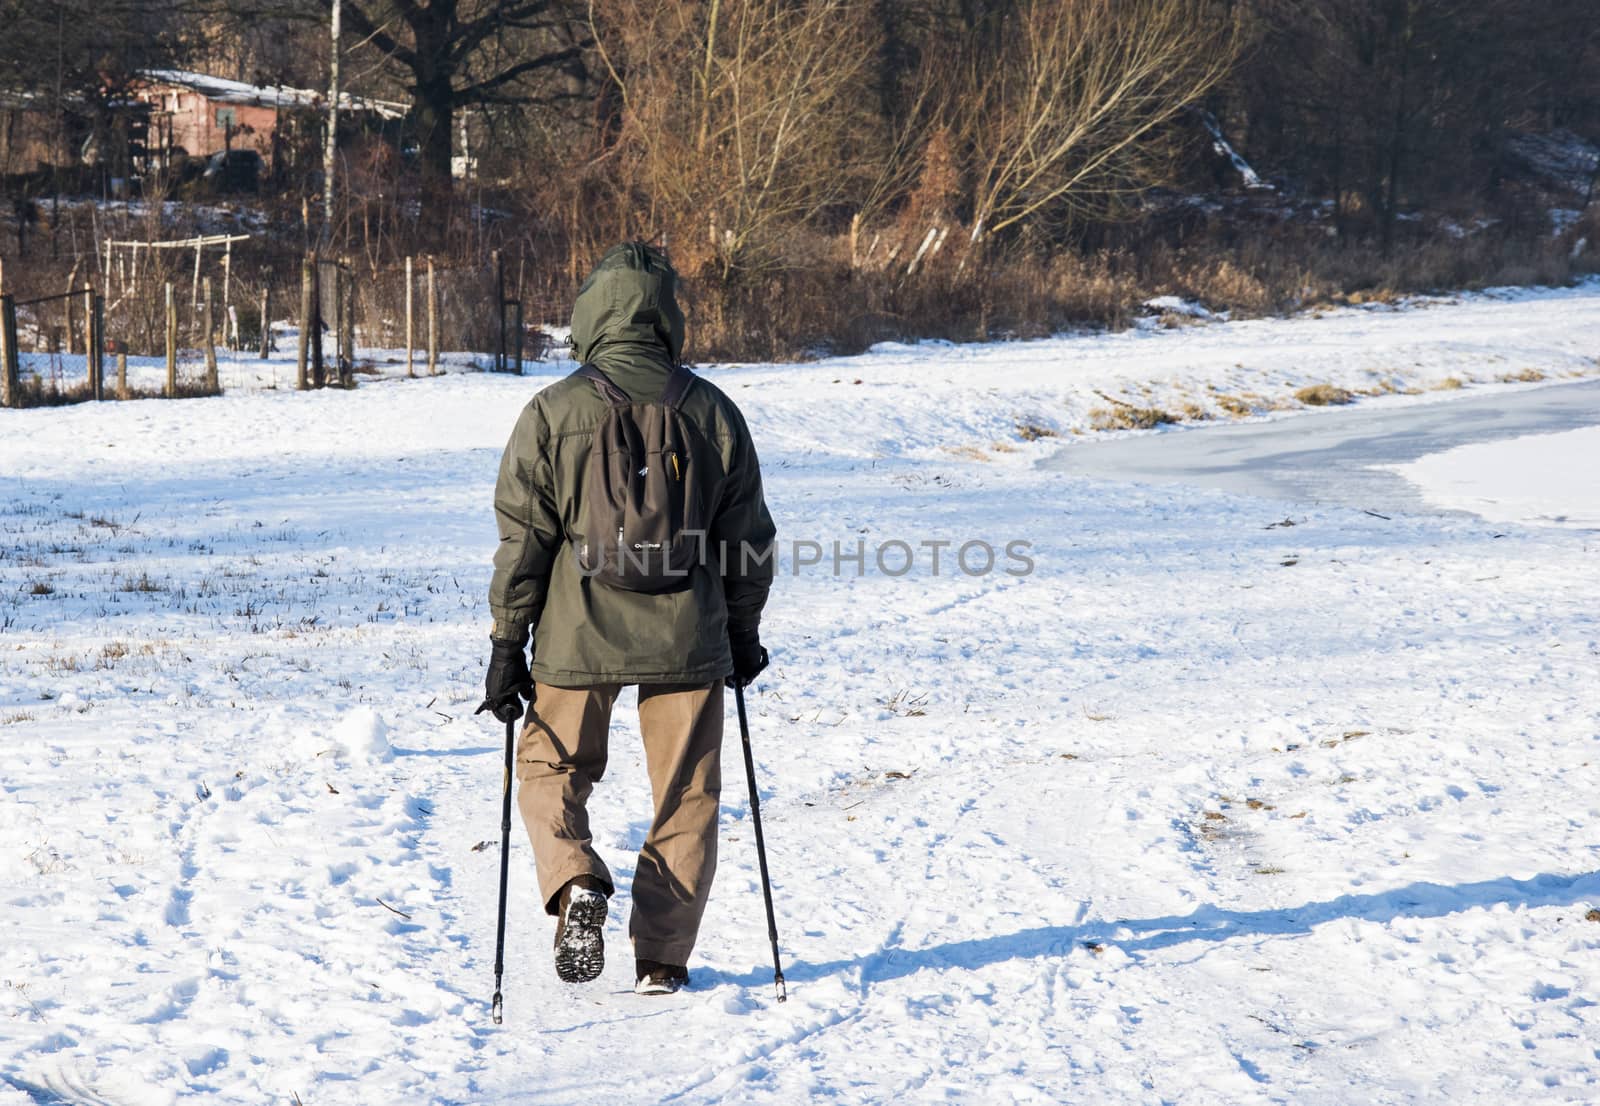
[(1233, 405), (61, 662), (1323, 395), (1215, 826), (1526, 376), (906, 704), (1032, 431), (1123, 415), (1129, 418), (1448, 384), (1373, 295)]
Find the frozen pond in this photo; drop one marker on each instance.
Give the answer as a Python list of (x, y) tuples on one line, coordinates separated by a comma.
[(1362, 456)]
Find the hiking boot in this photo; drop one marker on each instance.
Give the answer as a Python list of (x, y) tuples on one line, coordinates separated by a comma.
[(655, 978), (580, 925)]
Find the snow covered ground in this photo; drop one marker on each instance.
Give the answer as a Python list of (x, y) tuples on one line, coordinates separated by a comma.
[(1230, 800)]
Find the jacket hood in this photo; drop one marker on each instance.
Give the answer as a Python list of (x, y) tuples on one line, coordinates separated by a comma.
[(628, 309)]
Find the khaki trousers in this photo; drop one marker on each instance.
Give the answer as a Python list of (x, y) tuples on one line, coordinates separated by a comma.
[(560, 758)]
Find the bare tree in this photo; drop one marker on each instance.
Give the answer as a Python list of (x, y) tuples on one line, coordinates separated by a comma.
[(1069, 116), (741, 117), (459, 53)]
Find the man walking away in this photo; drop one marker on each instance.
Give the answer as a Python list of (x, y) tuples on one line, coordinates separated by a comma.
[(635, 548)]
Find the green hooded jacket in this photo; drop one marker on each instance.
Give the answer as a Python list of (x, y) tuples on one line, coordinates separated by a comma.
[(625, 321)]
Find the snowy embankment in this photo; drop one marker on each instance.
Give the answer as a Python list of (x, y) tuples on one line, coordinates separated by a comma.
[(937, 397), (1228, 801)]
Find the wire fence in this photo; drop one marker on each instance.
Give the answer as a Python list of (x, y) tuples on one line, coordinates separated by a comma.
[(193, 317)]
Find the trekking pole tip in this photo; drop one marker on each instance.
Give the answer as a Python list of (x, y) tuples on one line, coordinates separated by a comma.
[(494, 1010), (777, 983)]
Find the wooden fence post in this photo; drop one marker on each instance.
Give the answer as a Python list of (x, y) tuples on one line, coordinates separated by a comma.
[(208, 339), (227, 289), (319, 375), (100, 346), (94, 346), (67, 302), (10, 358), (122, 371), (172, 345), (340, 321), (347, 379), (303, 344), (433, 322), (518, 343), (266, 321), (411, 330), (499, 311)]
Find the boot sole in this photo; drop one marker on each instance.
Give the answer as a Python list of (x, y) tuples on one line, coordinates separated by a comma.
[(659, 987), (581, 952)]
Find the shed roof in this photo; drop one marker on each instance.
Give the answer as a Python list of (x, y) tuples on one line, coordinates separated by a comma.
[(223, 91)]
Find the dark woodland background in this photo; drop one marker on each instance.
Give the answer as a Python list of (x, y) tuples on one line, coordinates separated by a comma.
[(827, 173)]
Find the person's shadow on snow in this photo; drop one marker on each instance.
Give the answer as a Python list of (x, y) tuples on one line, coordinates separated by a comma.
[(1205, 923)]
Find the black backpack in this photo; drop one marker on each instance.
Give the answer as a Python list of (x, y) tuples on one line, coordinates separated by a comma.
[(644, 516)]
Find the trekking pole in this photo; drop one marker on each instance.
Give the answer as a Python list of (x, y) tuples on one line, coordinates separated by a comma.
[(761, 845), (505, 868)]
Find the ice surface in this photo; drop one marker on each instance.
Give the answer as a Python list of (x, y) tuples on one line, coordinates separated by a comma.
[(1539, 479), (1407, 455)]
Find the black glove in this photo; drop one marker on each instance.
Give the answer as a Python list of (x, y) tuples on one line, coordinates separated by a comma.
[(749, 659), (507, 682)]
